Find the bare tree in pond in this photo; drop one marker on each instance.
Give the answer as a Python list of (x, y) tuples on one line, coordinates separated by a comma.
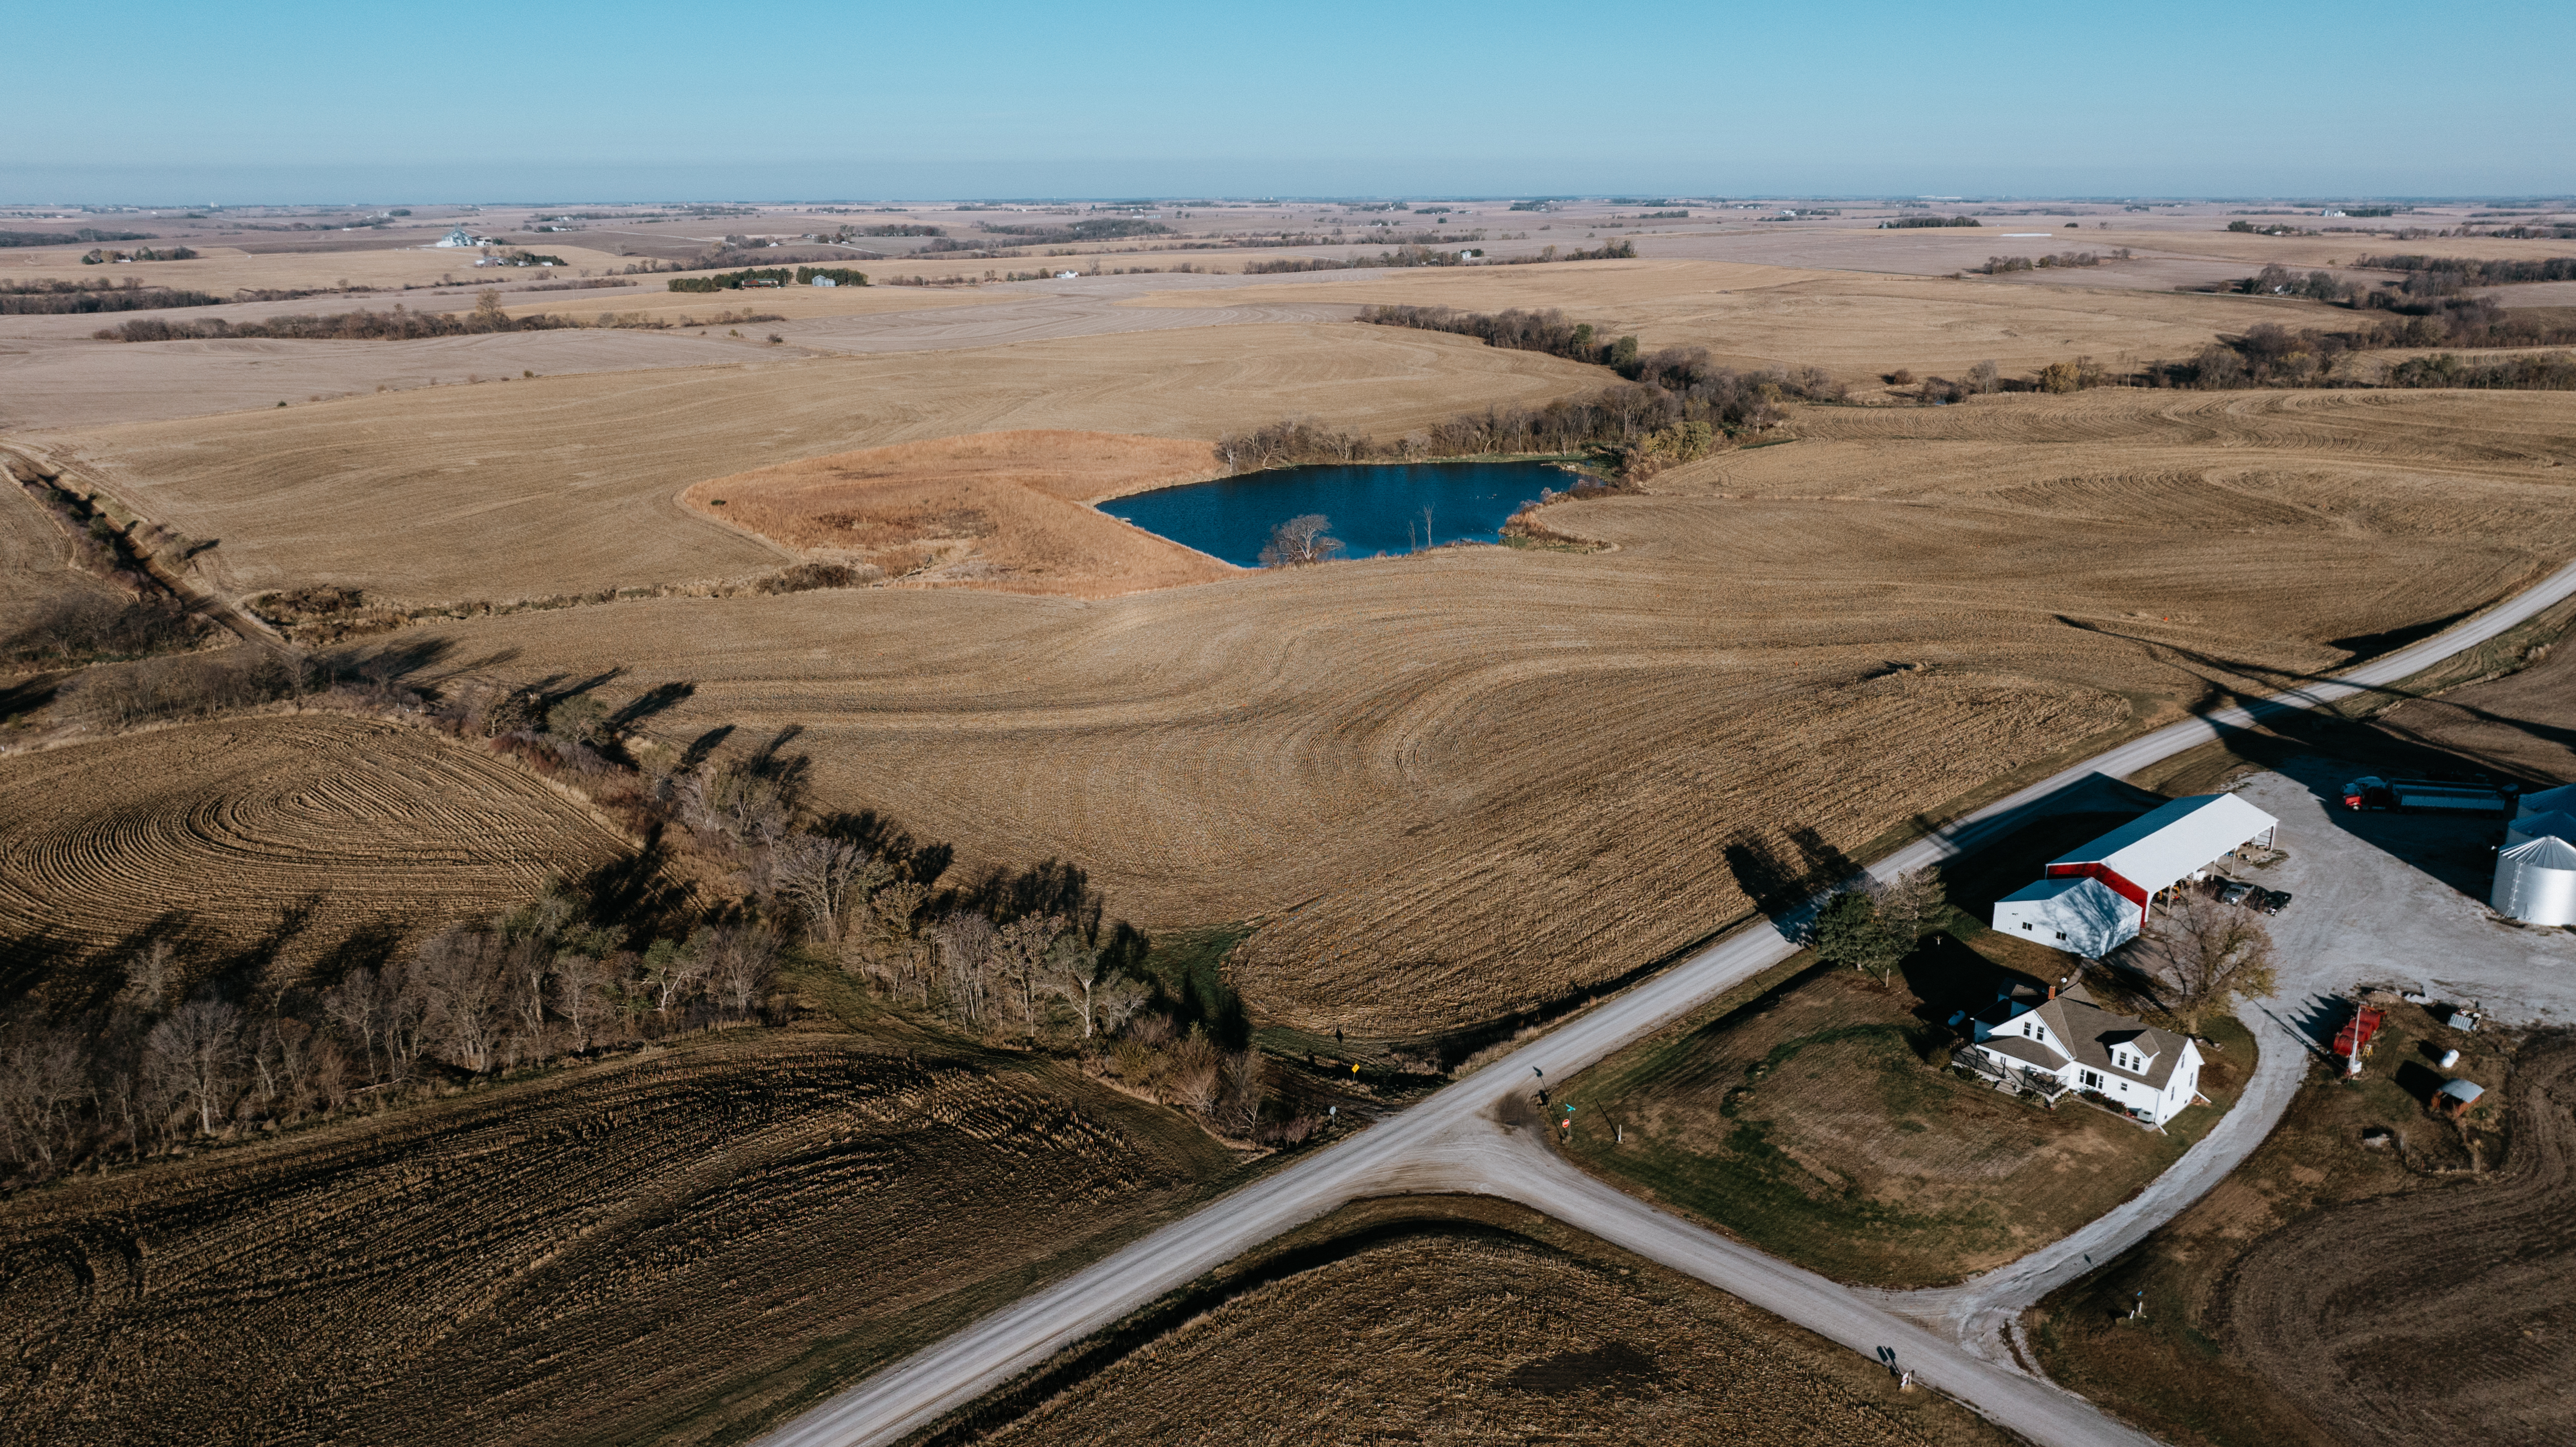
[(1299, 542)]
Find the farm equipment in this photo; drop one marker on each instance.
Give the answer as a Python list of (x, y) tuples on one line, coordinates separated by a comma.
[(2372, 792), (2353, 1041)]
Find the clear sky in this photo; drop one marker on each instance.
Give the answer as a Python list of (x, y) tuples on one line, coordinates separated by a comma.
[(284, 100)]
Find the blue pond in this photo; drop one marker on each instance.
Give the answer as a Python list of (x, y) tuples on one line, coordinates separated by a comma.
[(1374, 509)]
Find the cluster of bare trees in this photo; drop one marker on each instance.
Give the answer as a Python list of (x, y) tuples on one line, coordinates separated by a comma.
[(360, 325), (153, 1071)]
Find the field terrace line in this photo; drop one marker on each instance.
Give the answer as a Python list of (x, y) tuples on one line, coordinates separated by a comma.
[(1454, 1142)]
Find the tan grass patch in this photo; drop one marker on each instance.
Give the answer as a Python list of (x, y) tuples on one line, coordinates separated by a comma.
[(1007, 511)]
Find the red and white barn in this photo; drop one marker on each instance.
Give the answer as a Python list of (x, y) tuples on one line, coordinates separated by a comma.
[(2094, 900)]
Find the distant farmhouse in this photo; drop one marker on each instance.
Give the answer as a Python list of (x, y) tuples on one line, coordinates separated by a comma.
[(2061, 1040), (2096, 899)]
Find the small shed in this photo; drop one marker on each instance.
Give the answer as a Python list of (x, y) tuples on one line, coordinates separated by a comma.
[(2535, 882), (2457, 1098)]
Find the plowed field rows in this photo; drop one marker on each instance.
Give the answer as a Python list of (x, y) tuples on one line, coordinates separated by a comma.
[(2435, 1314), (643, 1251), (295, 833), (1483, 1338), (1459, 785)]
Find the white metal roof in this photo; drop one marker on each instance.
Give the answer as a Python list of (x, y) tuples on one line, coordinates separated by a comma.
[(2546, 852), (2157, 848)]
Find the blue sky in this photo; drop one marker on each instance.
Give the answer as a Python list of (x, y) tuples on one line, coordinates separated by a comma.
[(577, 100)]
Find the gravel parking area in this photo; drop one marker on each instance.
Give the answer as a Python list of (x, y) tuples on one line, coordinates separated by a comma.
[(2399, 899)]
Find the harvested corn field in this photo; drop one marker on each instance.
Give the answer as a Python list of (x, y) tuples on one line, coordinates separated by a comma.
[(571, 484), (1003, 510), (1475, 1322), (1462, 785), (670, 1247), (285, 836)]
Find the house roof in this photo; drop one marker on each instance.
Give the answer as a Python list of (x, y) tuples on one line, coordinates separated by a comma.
[(2161, 846), (2090, 1031), (2028, 1052)]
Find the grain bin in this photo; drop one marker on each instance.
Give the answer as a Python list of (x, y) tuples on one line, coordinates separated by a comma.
[(2535, 882)]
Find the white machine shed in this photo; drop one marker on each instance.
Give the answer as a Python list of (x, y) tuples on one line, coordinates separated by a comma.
[(2132, 864)]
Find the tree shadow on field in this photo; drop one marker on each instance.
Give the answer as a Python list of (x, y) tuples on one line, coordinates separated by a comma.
[(880, 836), (387, 663), (651, 703), (703, 747), (1781, 882), (17, 700), (367, 946)]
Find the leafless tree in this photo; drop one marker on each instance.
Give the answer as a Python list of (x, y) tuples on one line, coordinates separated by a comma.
[(1984, 377), (581, 996), (673, 971), (823, 878), (195, 1055), (43, 1079), (462, 975), (150, 975), (2212, 954), (966, 943), (745, 960), (1299, 542), (357, 1006), (1020, 952)]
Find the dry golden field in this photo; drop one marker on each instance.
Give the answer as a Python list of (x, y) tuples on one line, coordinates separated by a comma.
[(1004, 510), (224, 270), (1461, 785), (34, 559), (1438, 1321), (571, 484), (288, 836), (1855, 325), (665, 1246)]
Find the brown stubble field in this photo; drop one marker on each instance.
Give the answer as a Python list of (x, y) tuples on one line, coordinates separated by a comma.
[(1461, 1320), (1855, 325), (1460, 786), (290, 837), (670, 1245), (570, 484)]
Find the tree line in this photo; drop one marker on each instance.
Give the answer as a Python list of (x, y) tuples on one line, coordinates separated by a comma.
[(101, 256), (185, 1049), (361, 325), (1914, 223), (2474, 272), (56, 238), (67, 298), (2271, 355)]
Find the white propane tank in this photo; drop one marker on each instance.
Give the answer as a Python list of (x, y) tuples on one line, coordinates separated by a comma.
[(2450, 1058)]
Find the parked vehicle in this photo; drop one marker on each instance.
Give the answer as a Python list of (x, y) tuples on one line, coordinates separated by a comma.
[(2234, 891), (2455, 796), (2269, 901)]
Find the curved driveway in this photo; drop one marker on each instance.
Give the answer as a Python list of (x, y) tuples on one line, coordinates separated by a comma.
[(1452, 1141)]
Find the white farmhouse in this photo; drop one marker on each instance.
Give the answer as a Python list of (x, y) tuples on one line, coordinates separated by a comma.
[(2062, 1040), (2094, 900)]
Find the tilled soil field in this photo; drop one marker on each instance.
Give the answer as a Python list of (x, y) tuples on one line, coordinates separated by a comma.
[(2435, 1315), (284, 835), (670, 1247), (1455, 1333), (1461, 785)]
